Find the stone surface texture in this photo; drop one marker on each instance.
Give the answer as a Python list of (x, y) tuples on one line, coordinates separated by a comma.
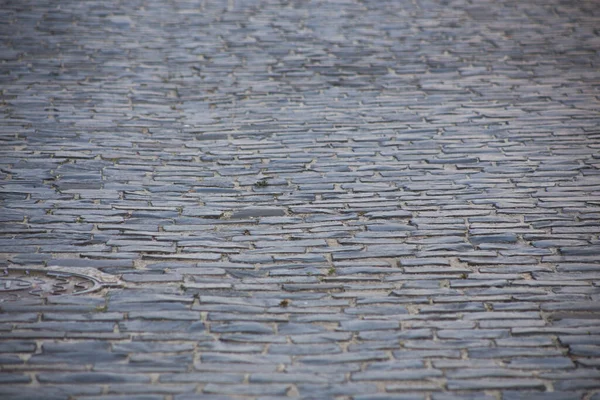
[(352, 200)]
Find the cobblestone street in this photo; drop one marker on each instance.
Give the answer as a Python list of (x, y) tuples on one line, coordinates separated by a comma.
[(350, 200)]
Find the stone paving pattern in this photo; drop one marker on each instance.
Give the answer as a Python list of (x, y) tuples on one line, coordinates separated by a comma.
[(304, 200)]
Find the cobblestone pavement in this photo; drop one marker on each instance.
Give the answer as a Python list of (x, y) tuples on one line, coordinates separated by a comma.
[(345, 199)]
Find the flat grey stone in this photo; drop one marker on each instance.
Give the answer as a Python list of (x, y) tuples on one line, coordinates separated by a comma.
[(344, 358), (397, 375), (247, 390), (493, 383), (253, 212), (90, 378)]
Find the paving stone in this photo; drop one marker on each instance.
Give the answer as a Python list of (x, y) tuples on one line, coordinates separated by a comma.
[(151, 347), (576, 384), (344, 358), (90, 378), (514, 352), (295, 378), (493, 383), (304, 350), (514, 394), (162, 315), (14, 378), (396, 335), (491, 371), (128, 396), (424, 354), (53, 392), (321, 337), (384, 396), (205, 377), (247, 327), (252, 390), (196, 396), (332, 390), (397, 375), (463, 395), (525, 341), (541, 363), (250, 212), (69, 326), (367, 325), (17, 346)]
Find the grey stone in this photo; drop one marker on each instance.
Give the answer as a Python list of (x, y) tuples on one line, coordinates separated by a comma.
[(495, 383), (344, 358), (90, 378), (248, 390), (397, 375), (518, 394), (250, 212)]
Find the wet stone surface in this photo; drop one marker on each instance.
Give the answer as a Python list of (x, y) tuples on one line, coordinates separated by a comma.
[(22, 283), (342, 200)]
